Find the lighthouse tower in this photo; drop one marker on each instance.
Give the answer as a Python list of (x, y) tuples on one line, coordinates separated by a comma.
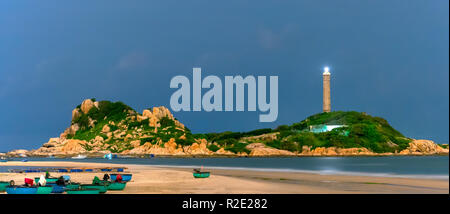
[(326, 90)]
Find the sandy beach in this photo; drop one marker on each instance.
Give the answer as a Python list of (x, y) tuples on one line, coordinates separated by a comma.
[(157, 180)]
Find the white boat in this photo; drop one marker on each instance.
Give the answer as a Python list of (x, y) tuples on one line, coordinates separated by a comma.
[(79, 157)]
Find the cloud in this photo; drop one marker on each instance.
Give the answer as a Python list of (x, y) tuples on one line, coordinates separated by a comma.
[(132, 60), (270, 39)]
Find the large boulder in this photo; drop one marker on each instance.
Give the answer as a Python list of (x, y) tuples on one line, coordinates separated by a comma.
[(73, 146), (87, 105), (76, 114), (198, 148)]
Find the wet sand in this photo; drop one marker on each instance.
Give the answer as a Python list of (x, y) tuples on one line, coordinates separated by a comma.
[(157, 180)]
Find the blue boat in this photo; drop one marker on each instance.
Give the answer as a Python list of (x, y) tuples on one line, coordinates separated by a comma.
[(76, 170), (62, 170), (88, 170), (125, 177), (21, 190), (57, 188), (105, 170)]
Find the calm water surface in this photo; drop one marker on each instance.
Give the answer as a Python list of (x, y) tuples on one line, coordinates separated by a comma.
[(409, 166)]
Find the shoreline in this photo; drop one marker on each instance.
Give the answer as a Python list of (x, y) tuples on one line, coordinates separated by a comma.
[(161, 180)]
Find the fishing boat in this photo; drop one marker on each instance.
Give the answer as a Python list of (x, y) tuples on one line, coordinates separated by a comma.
[(125, 177), (73, 186), (101, 188), (88, 169), (198, 173), (52, 180), (62, 170), (118, 169), (3, 185), (21, 189), (108, 169), (84, 191), (80, 157), (76, 170), (57, 188), (44, 189)]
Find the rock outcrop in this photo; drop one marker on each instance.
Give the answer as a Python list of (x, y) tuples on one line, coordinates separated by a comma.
[(18, 153), (333, 151), (423, 147), (87, 105), (259, 149)]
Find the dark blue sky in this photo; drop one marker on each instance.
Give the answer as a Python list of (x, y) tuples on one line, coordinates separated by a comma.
[(387, 58)]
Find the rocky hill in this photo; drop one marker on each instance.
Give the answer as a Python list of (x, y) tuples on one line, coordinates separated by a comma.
[(100, 127)]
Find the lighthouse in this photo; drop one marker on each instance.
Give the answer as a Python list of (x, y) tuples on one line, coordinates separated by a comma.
[(326, 90)]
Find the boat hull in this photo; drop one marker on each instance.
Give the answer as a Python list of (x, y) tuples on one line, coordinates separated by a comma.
[(84, 191), (57, 188), (117, 186), (201, 174), (3, 185), (73, 186), (21, 190), (125, 177), (44, 190), (36, 179), (101, 188)]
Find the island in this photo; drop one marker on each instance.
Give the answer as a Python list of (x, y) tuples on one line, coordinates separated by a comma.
[(102, 127)]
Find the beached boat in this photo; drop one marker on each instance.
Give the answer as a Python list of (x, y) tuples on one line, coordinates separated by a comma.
[(125, 177), (21, 190), (76, 170), (73, 186), (200, 174), (36, 179), (84, 191), (57, 188), (101, 188), (3, 185), (44, 189), (117, 186), (108, 169), (80, 157), (118, 169)]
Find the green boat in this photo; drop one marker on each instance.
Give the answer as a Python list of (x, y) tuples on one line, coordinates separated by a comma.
[(84, 191), (117, 186), (3, 185), (73, 186), (199, 174), (44, 190), (50, 180), (101, 188)]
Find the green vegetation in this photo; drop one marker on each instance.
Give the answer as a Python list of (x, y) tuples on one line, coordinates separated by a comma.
[(360, 130), (444, 146), (363, 130)]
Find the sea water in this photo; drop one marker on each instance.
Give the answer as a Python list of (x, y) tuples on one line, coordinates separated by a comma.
[(392, 166)]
